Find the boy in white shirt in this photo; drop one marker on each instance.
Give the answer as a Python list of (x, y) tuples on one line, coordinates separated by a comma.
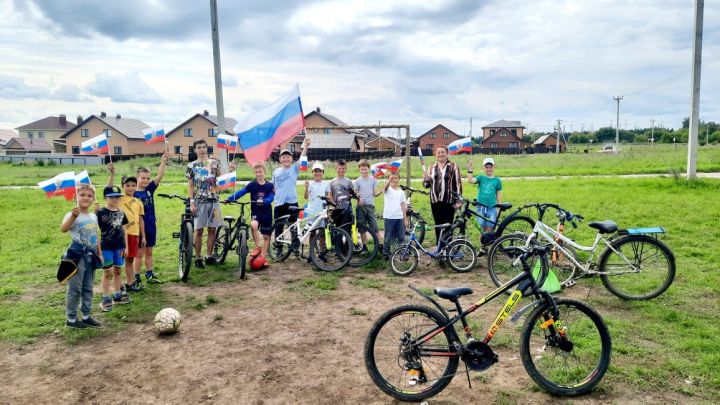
[(394, 214), (313, 191)]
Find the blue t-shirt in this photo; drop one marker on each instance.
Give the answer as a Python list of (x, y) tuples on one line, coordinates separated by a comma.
[(285, 181), (146, 196), (257, 191)]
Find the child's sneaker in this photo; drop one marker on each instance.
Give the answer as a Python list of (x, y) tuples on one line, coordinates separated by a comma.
[(75, 325), (106, 304), (152, 279), (132, 288), (91, 322), (210, 260), (199, 263), (137, 283), (123, 299)]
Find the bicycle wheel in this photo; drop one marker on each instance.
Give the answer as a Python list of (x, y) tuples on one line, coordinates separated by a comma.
[(331, 252), (364, 253), (222, 244), (645, 270), (279, 251), (567, 354), (561, 263), (242, 250), (461, 256), (404, 372), (185, 250), (404, 260), (515, 223), (500, 259), (414, 219)]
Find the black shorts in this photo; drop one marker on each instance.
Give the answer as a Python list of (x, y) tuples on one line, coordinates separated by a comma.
[(264, 222)]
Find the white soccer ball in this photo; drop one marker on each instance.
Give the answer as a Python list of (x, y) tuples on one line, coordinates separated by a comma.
[(167, 321)]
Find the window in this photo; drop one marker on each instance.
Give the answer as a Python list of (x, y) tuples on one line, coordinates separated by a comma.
[(117, 150), (503, 134), (41, 134), (492, 132), (446, 135), (494, 145), (188, 132), (30, 135), (429, 146), (514, 131), (432, 135), (212, 132), (84, 133), (210, 150), (107, 132), (513, 145), (292, 148), (327, 131), (76, 150), (191, 149), (178, 149)]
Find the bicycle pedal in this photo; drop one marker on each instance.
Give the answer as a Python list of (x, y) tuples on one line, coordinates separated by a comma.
[(176, 235)]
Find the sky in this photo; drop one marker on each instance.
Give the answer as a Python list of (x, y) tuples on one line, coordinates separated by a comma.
[(406, 62)]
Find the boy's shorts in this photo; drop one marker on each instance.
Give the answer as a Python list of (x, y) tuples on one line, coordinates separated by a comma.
[(208, 215), (490, 213), (133, 245), (264, 223), (150, 235), (366, 221), (113, 257)]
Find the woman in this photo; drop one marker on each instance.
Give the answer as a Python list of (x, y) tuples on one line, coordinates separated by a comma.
[(443, 178)]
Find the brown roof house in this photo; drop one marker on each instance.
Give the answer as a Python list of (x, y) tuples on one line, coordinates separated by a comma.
[(23, 146), (439, 135), (503, 137), (6, 135), (383, 143), (50, 129), (548, 143), (353, 139), (198, 126), (125, 135)]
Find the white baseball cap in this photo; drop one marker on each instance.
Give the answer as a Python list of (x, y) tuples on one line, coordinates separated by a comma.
[(317, 165), (488, 161), (285, 151)]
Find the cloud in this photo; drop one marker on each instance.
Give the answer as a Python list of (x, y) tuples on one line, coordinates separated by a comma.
[(15, 87), (127, 88)]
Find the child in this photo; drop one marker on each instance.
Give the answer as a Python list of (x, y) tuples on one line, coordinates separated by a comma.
[(394, 213), (341, 189), (262, 195), (85, 251), (489, 193), (144, 193), (313, 191), (366, 189), (284, 178), (112, 222)]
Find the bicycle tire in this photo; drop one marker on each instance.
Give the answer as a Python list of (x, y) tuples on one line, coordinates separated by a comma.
[(185, 250), (359, 257), (222, 244), (242, 251), (499, 262), (588, 336), (632, 286), (279, 251), (454, 253), (421, 319), (515, 223), (341, 249), (404, 254), (415, 218)]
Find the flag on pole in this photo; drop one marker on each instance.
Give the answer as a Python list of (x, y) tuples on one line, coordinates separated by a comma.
[(226, 180), (462, 145), (394, 166), (227, 142), (422, 159), (82, 178), (154, 135), (303, 163), (63, 184), (96, 145), (378, 169), (262, 131)]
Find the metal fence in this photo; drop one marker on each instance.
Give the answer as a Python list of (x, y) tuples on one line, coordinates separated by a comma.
[(56, 159)]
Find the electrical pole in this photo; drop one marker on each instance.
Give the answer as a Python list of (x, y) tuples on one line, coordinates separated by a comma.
[(471, 128), (218, 81), (652, 132), (695, 89), (557, 143), (617, 124)]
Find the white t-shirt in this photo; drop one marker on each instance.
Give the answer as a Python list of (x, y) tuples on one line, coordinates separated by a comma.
[(316, 189), (392, 208)]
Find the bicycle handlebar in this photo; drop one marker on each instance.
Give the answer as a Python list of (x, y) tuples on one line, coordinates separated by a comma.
[(184, 199), (413, 190), (237, 202), (563, 214)]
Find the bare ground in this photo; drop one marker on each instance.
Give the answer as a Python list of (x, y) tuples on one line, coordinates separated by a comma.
[(271, 339)]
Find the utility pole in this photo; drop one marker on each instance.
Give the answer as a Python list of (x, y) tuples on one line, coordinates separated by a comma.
[(470, 127), (652, 132), (617, 124), (218, 81), (557, 143), (707, 134), (695, 89)]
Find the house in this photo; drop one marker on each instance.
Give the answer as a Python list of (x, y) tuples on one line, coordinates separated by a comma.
[(317, 118), (198, 126), (439, 135), (548, 143), (50, 129), (503, 137), (125, 135), (6, 135), (23, 146), (383, 143)]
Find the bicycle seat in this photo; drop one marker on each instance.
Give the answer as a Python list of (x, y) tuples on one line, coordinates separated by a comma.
[(504, 206), (294, 209), (229, 218), (604, 226), (452, 293)]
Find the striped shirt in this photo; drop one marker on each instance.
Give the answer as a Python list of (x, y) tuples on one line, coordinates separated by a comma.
[(443, 181)]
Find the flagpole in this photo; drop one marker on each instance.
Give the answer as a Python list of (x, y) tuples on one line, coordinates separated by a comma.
[(109, 149)]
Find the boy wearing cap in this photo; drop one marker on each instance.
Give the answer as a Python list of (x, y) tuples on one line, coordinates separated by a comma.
[(489, 193), (112, 223), (313, 191), (284, 178)]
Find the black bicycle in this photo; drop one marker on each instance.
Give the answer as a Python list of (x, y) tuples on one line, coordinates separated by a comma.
[(414, 217), (412, 352), (233, 237), (185, 247)]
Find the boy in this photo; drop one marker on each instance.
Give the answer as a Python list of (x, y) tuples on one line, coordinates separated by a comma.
[(394, 213), (313, 191), (341, 189), (489, 193), (145, 190), (85, 251), (284, 178), (366, 189), (112, 222), (262, 195)]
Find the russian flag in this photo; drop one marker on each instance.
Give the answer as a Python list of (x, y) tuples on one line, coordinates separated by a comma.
[(226, 180), (96, 145), (261, 132), (82, 178), (154, 135), (394, 166), (303, 163), (462, 145), (63, 184), (378, 169), (227, 142)]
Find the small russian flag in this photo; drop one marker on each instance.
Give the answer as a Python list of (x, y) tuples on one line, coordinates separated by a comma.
[(394, 166), (154, 135), (226, 180), (82, 178), (63, 184), (96, 145), (303, 163), (378, 169), (462, 145), (228, 142)]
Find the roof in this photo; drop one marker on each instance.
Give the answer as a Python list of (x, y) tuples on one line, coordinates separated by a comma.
[(444, 128), (229, 123), (375, 138), (332, 141), (48, 123), (131, 128), (543, 138), (504, 124), (332, 119), (6, 135), (30, 145)]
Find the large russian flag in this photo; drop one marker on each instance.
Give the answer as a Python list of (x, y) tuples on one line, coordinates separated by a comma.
[(462, 145), (95, 146), (63, 184), (261, 132)]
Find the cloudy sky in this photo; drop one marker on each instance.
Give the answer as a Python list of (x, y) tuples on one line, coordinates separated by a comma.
[(416, 62)]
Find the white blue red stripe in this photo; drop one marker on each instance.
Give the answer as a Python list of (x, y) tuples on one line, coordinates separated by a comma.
[(63, 184), (303, 163), (462, 145), (378, 169), (154, 135), (262, 131), (227, 180), (82, 178), (394, 166), (95, 145), (227, 142)]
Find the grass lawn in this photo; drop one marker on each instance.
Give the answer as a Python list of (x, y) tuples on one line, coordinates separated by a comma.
[(670, 343)]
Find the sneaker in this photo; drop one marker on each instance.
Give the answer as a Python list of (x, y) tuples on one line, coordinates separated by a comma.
[(210, 260), (154, 280), (91, 323), (199, 263), (132, 288), (323, 257), (106, 305), (75, 325), (124, 299), (137, 283)]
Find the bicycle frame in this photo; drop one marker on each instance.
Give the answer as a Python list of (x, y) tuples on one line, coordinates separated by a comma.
[(299, 225), (442, 242)]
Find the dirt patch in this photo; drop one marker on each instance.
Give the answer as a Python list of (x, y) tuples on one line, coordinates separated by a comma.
[(276, 339)]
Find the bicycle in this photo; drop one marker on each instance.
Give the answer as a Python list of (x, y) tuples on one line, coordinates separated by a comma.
[(330, 247), (230, 233), (459, 253), (363, 253), (414, 217), (412, 352), (635, 264), (185, 236)]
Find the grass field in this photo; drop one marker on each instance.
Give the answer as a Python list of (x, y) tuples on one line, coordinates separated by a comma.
[(670, 343)]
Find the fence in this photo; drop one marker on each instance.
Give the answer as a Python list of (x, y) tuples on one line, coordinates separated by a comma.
[(57, 159)]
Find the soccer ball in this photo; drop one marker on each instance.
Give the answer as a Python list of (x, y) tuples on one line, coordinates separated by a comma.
[(167, 321)]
